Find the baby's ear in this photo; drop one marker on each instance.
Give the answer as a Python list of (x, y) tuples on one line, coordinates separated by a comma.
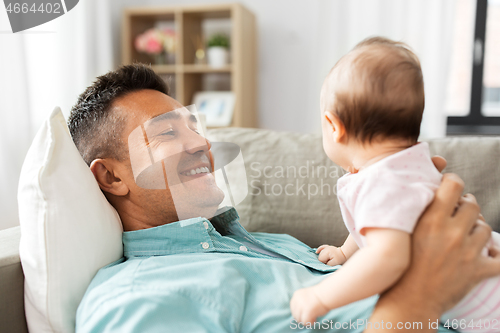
[(328, 117), (337, 126)]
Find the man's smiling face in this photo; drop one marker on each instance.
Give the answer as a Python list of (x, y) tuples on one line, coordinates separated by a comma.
[(165, 144)]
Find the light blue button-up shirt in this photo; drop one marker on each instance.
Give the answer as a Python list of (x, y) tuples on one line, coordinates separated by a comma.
[(209, 276)]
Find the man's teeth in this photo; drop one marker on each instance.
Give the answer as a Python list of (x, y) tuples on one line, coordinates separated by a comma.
[(196, 171)]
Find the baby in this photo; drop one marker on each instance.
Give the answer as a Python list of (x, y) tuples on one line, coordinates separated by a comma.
[(371, 105)]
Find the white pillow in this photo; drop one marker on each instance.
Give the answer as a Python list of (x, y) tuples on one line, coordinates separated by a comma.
[(68, 228)]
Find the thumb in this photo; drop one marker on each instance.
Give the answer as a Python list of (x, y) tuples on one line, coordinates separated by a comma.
[(439, 162), (494, 252), (492, 263), (321, 248)]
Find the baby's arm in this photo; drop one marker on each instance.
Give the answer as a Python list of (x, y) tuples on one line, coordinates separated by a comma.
[(332, 255), (370, 271)]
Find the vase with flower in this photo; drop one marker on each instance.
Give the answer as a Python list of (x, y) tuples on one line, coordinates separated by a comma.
[(160, 44)]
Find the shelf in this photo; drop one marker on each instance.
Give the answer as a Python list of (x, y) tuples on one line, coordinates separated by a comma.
[(183, 75), (164, 69), (205, 69), (195, 69), (210, 11)]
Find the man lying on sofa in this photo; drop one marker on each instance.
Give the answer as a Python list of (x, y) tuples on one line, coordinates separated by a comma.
[(186, 273)]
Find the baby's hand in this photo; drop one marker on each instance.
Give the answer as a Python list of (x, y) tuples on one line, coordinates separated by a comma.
[(331, 255), (306, 306)]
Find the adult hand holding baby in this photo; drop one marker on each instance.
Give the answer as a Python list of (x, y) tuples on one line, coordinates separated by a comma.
[(446, 260)]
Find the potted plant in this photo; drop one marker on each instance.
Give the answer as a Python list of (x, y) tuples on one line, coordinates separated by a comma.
[(218, 50)]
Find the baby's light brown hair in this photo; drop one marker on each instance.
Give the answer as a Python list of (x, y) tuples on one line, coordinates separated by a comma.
[(377, 91)]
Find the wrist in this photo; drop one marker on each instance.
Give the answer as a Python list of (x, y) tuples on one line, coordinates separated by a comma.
[(343, 253), (321, 303)]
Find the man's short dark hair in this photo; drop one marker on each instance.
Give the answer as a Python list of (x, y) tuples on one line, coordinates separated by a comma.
[(96, 130)]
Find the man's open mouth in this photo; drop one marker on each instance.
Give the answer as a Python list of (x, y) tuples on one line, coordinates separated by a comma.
[(196, 171)]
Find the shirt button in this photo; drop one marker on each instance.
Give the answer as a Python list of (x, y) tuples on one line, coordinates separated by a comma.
[(243, 248), (205, 224), (301, 261), (205, 245)]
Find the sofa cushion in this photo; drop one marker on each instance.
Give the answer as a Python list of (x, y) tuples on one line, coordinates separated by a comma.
[(476, 161), (68, 228), (12, 318)]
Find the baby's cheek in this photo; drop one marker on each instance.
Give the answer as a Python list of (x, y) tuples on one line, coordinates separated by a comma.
[(329, 148), (326, 144)]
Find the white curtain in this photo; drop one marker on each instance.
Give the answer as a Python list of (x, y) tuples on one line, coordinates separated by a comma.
[(44, 67), (426, 25)]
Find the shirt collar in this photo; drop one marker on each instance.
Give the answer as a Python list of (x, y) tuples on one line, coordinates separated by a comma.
[(180, 237)]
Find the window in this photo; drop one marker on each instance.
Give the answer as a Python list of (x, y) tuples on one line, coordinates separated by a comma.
[(473, 95)]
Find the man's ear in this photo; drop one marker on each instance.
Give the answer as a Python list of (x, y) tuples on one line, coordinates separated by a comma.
[(108, 182), (336, 125)]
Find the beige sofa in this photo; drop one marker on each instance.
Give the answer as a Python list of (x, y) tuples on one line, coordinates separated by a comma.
[(291, 190)]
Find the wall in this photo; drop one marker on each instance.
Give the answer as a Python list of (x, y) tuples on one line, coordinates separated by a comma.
[(287, 38)]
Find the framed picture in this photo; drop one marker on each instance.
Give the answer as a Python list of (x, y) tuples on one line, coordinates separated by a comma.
[(217, 106)]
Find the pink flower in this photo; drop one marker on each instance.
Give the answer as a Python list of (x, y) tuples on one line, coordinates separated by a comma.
[(151, 41), (153, 46), (140, 43)]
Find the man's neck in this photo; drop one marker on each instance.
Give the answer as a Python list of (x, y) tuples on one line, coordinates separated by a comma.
[(136, 217)]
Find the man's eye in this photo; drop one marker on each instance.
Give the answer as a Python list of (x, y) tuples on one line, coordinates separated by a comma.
[(167, 133)]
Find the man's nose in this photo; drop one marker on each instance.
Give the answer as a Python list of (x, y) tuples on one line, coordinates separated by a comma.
[(195, 143)]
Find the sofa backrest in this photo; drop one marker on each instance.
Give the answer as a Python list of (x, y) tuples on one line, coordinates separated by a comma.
[(292, 182)]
